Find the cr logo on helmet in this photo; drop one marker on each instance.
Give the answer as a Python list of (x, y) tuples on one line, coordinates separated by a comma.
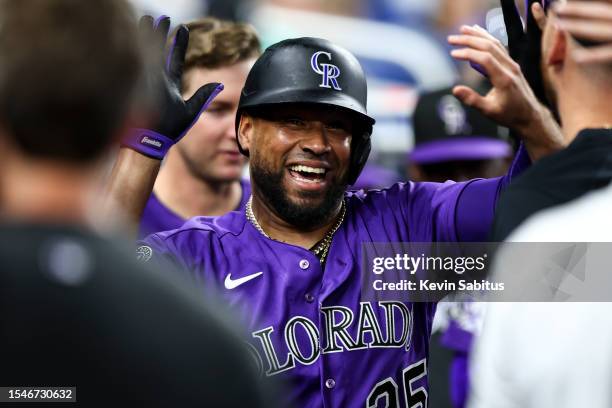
[(329, 71)]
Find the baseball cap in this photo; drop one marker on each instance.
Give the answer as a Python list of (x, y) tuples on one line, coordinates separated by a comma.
[(445, 129)]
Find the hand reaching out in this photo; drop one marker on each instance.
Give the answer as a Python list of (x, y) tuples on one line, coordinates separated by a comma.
[(511, 102)]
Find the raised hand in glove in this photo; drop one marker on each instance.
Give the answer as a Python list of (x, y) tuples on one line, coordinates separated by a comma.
[(172, 116), (525, 44)]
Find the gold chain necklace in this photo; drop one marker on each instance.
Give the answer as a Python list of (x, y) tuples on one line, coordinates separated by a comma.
[(321, 248)]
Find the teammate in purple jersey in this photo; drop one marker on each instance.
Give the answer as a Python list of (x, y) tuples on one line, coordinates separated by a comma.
[(206, 161), (157, 217), (291, 261)]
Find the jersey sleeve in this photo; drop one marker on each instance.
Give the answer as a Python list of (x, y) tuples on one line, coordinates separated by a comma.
[(442, 212), (465, 211), (477, 203)]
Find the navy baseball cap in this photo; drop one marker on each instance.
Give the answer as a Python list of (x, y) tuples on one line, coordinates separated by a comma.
[(445, 129)]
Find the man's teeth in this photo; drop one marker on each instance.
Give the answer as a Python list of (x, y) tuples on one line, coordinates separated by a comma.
[(306, 169)]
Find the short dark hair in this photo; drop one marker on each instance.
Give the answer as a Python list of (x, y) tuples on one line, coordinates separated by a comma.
[(68, 70)]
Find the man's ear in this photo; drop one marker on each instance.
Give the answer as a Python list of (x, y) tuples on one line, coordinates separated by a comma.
[(245, 133), (558, 49)]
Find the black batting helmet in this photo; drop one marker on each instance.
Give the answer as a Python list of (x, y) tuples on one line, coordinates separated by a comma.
[(312, 71)]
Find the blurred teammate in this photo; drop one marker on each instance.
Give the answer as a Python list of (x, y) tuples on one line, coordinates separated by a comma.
[(76, 309), (586, 164), (567, 345), (455, 142), (201, 175)]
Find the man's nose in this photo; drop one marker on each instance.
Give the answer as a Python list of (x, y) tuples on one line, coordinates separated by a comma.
[(229, 123), (316, 140)]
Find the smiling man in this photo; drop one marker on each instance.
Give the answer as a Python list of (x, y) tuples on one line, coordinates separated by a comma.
[(291, 262), (305, 177)]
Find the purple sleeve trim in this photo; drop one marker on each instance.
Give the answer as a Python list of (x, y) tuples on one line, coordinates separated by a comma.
[(476, 204), (148, 142)]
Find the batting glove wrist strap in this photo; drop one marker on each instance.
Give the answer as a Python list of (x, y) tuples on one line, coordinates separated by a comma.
[(148, 142)]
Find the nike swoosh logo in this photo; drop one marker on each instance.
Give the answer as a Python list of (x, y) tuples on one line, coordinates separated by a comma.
[(234, 283)]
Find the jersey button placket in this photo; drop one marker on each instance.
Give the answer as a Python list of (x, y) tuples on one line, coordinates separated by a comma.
[(330, 383), (304, 265)]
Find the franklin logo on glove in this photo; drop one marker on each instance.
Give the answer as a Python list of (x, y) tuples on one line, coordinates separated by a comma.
[(151, 142)]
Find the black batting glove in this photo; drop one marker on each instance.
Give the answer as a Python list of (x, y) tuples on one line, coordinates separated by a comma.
[(172, 115), (524, 45)]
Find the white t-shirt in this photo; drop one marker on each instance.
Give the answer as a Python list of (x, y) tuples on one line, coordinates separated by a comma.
[(549, 354)]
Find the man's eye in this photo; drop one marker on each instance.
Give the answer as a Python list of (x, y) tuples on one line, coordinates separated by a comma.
[(336, 127), (216, 110), (294, 122)]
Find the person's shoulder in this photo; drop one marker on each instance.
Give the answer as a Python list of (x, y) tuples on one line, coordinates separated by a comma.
[(584, 220), (231, 224), (402, 187), (406, 193), (63, 270), (586, 151), (548, 170), (64, 255), (157, 217), (358, 200)]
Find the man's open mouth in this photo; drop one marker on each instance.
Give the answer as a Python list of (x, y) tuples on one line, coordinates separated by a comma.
[(308, 174)]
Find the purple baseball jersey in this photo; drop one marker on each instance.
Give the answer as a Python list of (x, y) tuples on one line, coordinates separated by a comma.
[(157, 217), (314, 327)]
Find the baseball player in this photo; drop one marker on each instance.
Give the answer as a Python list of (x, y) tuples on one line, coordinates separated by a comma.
[(291, 261), (585, 164), (454, 141), (207, 160)]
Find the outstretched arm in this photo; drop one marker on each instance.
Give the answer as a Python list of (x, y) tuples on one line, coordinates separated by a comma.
[(517, 101), (133, 176)]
